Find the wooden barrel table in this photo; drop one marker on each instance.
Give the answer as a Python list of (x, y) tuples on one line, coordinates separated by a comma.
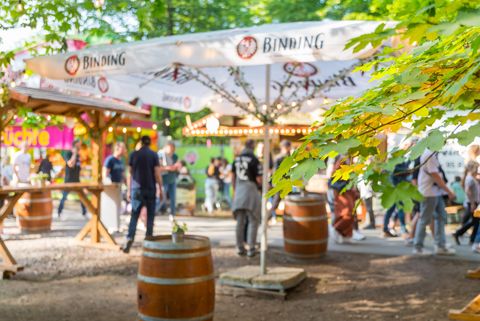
[(34, 212), (305, 226), (176, 280)]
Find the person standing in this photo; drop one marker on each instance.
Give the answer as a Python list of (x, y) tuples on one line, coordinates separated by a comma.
[(46, 166), (144, 186), (401, 173), (21, 165), (72, 174), (113, 167), (170, 167), (226, 177), (247, 180), (285, 151), (212, 184), (344, 204), (432, 186), (472, 191), (7, 171)]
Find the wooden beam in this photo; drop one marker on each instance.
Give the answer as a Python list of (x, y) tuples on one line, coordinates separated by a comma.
[(7, 208), (471, 312), (111, 121), (5, 254), (84, 199), (473, 274)]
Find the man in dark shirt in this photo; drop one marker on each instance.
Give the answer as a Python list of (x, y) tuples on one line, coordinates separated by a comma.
[(72, 174), (143, 186), (113, 167), (247, 178)]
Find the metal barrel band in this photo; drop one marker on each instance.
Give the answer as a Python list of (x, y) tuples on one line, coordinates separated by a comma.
[(170, 281), (288, 217), (305, 256), (201, 318), (34, 200), (153, 245), (305, 242), (296, 204), (35, 218), (176, 255)]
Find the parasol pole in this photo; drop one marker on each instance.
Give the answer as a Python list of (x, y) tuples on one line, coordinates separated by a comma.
[(266, 168)]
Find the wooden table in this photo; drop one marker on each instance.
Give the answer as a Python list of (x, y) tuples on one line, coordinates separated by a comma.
[(94, 226)]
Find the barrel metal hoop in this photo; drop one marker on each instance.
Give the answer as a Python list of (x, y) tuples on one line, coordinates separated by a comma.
[(288, 217), (34, 218), (302, 204), (176, 255), (170, 281), (34, 200), (202, 318), (305, 242), (153, 245)]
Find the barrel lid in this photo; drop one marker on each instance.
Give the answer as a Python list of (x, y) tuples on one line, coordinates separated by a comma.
[(164, 242), (306, 197)]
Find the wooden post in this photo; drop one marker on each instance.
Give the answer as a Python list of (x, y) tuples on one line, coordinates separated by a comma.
[(471, 312)]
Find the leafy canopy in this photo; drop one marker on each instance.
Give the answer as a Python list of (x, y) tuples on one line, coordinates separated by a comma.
[(430, 88)]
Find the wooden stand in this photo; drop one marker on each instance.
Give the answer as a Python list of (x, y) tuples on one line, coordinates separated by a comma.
[(473, 274), (94, 228), (471, 312)]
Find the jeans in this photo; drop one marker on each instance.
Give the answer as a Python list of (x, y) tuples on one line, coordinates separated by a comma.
[(401, 217), (141, 198), (242, 216), (275, 202), (170, 190), (369, 206), (62, 203), (211, 189), (471, 221), (226, 193), (431, 207)]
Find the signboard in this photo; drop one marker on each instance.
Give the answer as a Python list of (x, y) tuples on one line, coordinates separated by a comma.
[(48, 137), (198, 157)]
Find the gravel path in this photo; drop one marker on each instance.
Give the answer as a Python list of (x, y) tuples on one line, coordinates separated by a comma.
[(63, 281)]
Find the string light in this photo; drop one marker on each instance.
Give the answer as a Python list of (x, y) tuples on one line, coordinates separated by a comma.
[(124, 130), (309, 102), (154, 127), (264, 107), (13, 84), (167, 122), (139, 129), (279, 106), (110, 129), (19, 6), (294, 104)]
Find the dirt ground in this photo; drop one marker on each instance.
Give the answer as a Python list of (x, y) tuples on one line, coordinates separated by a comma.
[(62, 281)]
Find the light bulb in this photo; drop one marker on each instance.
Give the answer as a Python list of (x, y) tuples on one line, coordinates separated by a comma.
[(124, 130), (167, 122), (154, 126), (139, 129), (110, 129)]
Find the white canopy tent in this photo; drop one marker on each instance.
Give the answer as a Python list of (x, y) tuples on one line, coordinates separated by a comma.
[(253, 70)]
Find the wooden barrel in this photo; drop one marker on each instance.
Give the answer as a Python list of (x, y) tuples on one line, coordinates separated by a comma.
[(34, 212), (305, 226), (176, 280)]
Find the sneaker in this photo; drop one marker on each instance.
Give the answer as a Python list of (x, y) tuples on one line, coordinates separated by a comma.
[(241, 251), (357, 236), (251, 253), (420, 251), (126, 247), (409, 241), (476, 248), (171, 218), (388, 234), (443, 251), (369, 227), (456, 238)]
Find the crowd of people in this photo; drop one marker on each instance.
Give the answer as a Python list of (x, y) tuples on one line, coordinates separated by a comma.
[(152, 178)]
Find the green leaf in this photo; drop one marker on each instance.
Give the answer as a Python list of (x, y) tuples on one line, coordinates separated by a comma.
[(307, 168), (466, 137), (434, 142)]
